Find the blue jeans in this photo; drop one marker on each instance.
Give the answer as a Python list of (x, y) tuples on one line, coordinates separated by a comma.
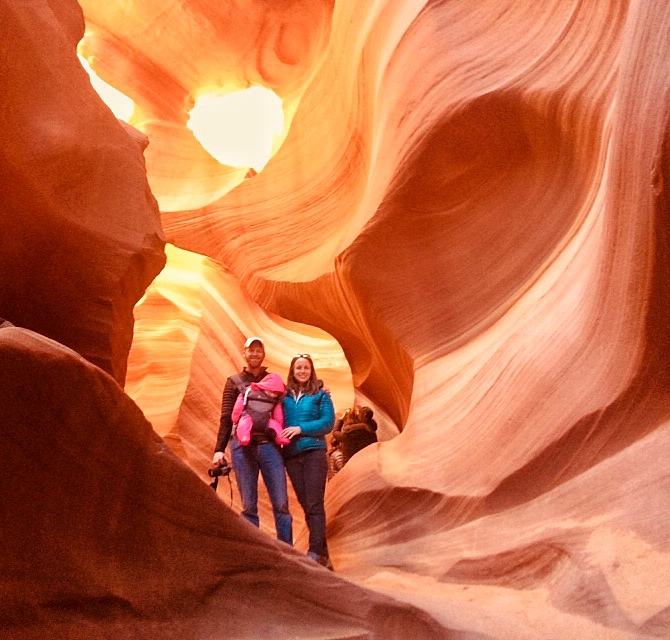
[(248, 460), (308, 472)]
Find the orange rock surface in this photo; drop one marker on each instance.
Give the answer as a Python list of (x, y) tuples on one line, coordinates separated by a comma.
[(464, 221)]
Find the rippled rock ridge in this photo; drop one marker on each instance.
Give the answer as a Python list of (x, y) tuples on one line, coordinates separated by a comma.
[(463, 219)]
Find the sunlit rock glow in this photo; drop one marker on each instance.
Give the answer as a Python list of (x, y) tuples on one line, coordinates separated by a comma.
[(465, 222)]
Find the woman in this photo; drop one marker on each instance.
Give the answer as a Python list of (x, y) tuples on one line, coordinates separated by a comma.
[(309, 414)]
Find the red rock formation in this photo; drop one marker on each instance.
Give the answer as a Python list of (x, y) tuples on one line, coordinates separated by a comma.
[(81, 234), (106, 533), (468, 200)]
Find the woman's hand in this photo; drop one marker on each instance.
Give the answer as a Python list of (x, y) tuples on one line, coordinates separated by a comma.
[(291, 432), (219, 460)]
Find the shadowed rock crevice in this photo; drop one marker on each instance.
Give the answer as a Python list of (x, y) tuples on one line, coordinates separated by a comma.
[(401, 507), (658, 625), (480, 248), (523, 568)]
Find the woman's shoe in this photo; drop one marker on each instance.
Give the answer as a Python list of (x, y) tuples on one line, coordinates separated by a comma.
[(324, 561)]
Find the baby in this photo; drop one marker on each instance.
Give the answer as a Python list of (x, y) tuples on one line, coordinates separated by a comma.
[(258, 411)]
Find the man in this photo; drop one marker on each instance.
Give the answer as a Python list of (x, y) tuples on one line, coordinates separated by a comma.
[(261, 454)]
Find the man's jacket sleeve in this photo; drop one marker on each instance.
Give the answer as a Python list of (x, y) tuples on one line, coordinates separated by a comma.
[(230, 393)]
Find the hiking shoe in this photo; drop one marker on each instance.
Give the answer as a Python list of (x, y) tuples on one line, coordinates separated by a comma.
[(324, 561)]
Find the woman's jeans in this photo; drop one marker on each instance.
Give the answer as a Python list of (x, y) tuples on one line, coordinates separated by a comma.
[(248, 460), (308, 472)]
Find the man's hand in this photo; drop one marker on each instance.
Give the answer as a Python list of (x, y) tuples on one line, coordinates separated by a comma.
[(219, 460)]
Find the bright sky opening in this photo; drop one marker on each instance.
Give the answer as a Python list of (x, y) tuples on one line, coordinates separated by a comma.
[(120, 104), (240, 128)]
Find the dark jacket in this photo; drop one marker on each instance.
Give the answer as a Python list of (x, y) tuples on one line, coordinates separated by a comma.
[(315, 415), (230, 392), (354, 436)]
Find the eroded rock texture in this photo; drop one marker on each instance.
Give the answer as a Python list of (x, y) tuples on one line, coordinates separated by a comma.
[(81, 236), (468, 211), (107, 534)]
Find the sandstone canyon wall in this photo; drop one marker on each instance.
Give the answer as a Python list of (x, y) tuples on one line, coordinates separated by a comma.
[(464, 221), (78, 249)]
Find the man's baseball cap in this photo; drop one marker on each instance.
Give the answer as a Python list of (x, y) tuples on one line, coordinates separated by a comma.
[(253, 339)]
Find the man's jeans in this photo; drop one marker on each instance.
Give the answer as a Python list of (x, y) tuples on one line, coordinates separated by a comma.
[(248, 460), (308, 473)]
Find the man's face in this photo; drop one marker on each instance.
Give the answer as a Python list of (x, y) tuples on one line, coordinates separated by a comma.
[(254, 355)]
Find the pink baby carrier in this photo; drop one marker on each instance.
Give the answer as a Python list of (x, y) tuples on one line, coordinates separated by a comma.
[(256, 410)]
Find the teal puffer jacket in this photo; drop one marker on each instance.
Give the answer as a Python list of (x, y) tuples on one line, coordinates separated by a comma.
[(315, 415)]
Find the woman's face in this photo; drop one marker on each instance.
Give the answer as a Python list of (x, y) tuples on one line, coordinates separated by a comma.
[(302, 371)]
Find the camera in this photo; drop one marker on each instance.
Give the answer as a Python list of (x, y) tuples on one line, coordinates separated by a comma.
[(215, 472)]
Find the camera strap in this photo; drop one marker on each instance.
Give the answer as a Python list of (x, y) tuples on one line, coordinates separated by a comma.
[(215, 483)]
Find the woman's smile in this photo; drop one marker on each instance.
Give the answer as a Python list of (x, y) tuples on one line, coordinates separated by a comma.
[(302, 370)]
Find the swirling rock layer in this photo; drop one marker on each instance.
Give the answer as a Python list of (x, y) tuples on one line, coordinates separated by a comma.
[(466, 224), (106, 533)]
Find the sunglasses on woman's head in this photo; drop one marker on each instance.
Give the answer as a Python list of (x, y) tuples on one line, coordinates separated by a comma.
[(302, 355)]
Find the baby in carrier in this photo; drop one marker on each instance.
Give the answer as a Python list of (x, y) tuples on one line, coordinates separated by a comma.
[(258, 411)]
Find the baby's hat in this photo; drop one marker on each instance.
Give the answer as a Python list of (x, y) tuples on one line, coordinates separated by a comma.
[(271, 382)]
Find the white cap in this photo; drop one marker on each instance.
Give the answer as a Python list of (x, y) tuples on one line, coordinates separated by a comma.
[(253, 339)]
